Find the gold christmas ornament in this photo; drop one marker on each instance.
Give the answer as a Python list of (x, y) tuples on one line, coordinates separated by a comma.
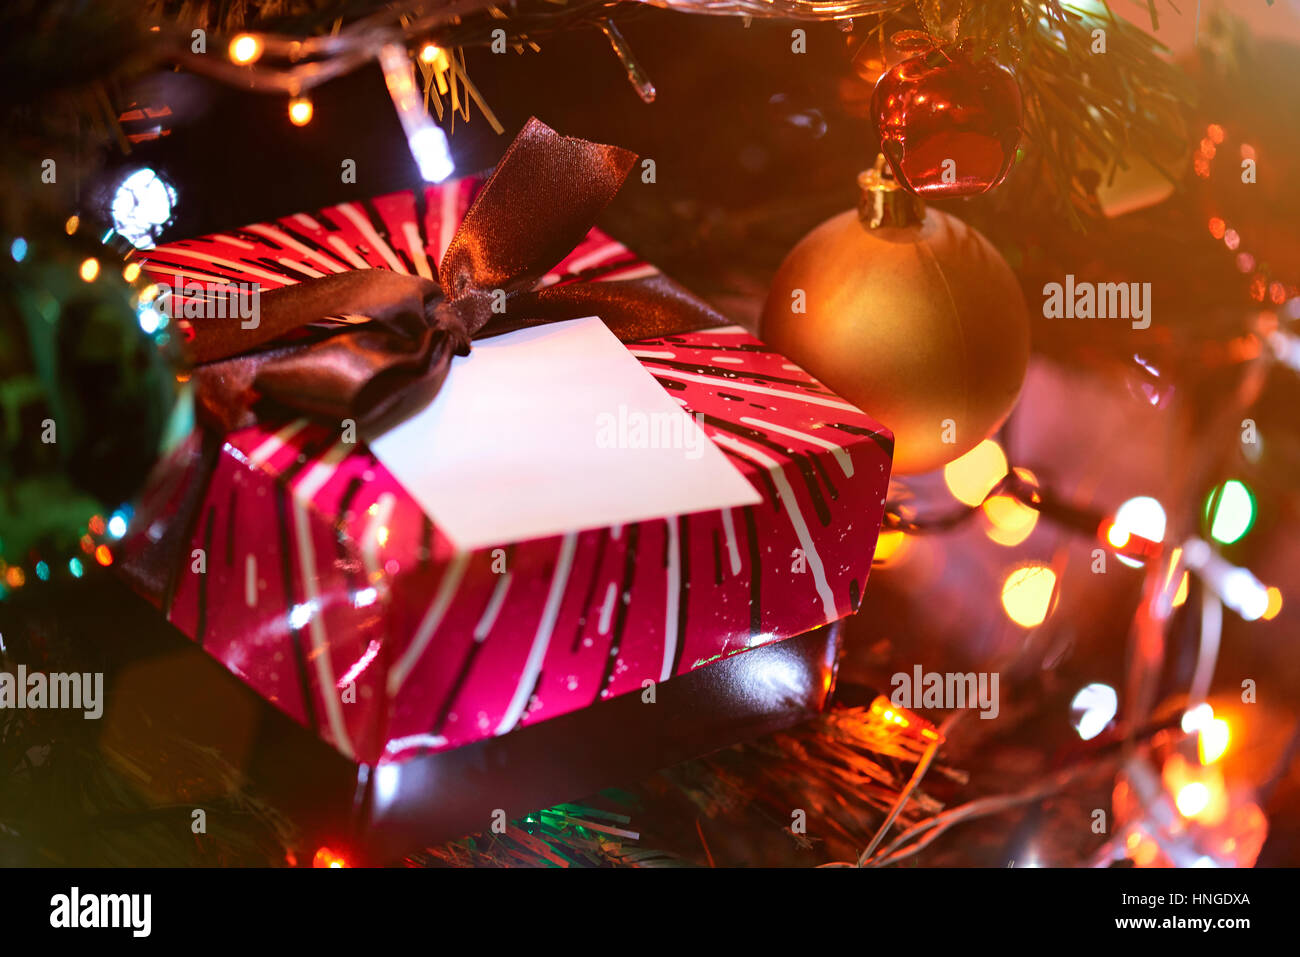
[(911, 315)]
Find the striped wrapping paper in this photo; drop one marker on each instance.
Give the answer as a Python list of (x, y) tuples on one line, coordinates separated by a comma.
[(330, 592)]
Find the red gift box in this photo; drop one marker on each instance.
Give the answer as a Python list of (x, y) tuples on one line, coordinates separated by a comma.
[(306, 568)]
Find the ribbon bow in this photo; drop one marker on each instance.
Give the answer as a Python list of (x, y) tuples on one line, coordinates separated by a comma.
[(537, 205)]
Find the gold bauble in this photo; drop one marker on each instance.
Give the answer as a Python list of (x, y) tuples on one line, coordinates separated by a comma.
[(909, 314)]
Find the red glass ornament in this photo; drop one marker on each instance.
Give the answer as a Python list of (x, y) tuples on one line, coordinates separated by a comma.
[(948, 123)]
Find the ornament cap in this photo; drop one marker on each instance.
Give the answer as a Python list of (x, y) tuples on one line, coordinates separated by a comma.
[(883, 201)]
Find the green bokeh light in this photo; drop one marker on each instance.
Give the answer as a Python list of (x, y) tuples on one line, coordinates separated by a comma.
[(1230, 511)]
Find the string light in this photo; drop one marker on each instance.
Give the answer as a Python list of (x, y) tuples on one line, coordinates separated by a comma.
[(89, 269), (888, 546), (1274, 603), (1028, 594), (142, 205), (426, 140), (1236, 587), (1092, 709), (1230, 511), (300, 111), (1212, 740), (1011, 521), (434, 56), (1140, 518), (972, 476), (73, 223), (1193, 798), (325, 857), (245, 49)]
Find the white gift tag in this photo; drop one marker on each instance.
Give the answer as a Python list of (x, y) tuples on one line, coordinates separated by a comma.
[(554, 429)]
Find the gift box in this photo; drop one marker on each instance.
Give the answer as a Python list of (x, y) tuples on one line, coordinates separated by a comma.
[(435, 584)]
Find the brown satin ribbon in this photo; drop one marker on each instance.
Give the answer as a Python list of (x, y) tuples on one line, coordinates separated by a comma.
[(537, 205)]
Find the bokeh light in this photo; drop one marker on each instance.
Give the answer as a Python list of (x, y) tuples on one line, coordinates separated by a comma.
[(1212, 741), (300, 111), (1092, 709), (971, 477), (1142, 516), (1028, 593), (245, 49), (1010, 520), (142, 205), (1230, 511)]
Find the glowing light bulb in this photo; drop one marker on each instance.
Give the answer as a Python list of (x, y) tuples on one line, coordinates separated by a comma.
[(1230, 510), (89, 269), (1011, 521), (1028, 593), (971, 477), (1196, 718), (1092, 709), (1213, 740), (1274, 603), (300, 111), (888, 545), (142, 205), (426, 141), (434, 56), (245, 49), (1142, 516), (1192, 799), (325, 857)]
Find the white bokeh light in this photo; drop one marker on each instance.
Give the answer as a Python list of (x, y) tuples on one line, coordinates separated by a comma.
[(1142, 516), (1092, 709), (142, 206)]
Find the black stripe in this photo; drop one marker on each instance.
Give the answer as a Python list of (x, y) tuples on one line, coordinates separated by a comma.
[(736, 374), (620, 615), (381, 228), (255, 238), (312, 244), (755, 575), (462, 675), (760, 348), (800, 459), (274, 266), (286, 576), (345, 557), (855, 595), (878, 437), (683, 588), (330, 225), (763, 473), (816, 459), (717, 558), (426, 542), (187, 267), (421, 225), (591, 588), (180, 535)]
